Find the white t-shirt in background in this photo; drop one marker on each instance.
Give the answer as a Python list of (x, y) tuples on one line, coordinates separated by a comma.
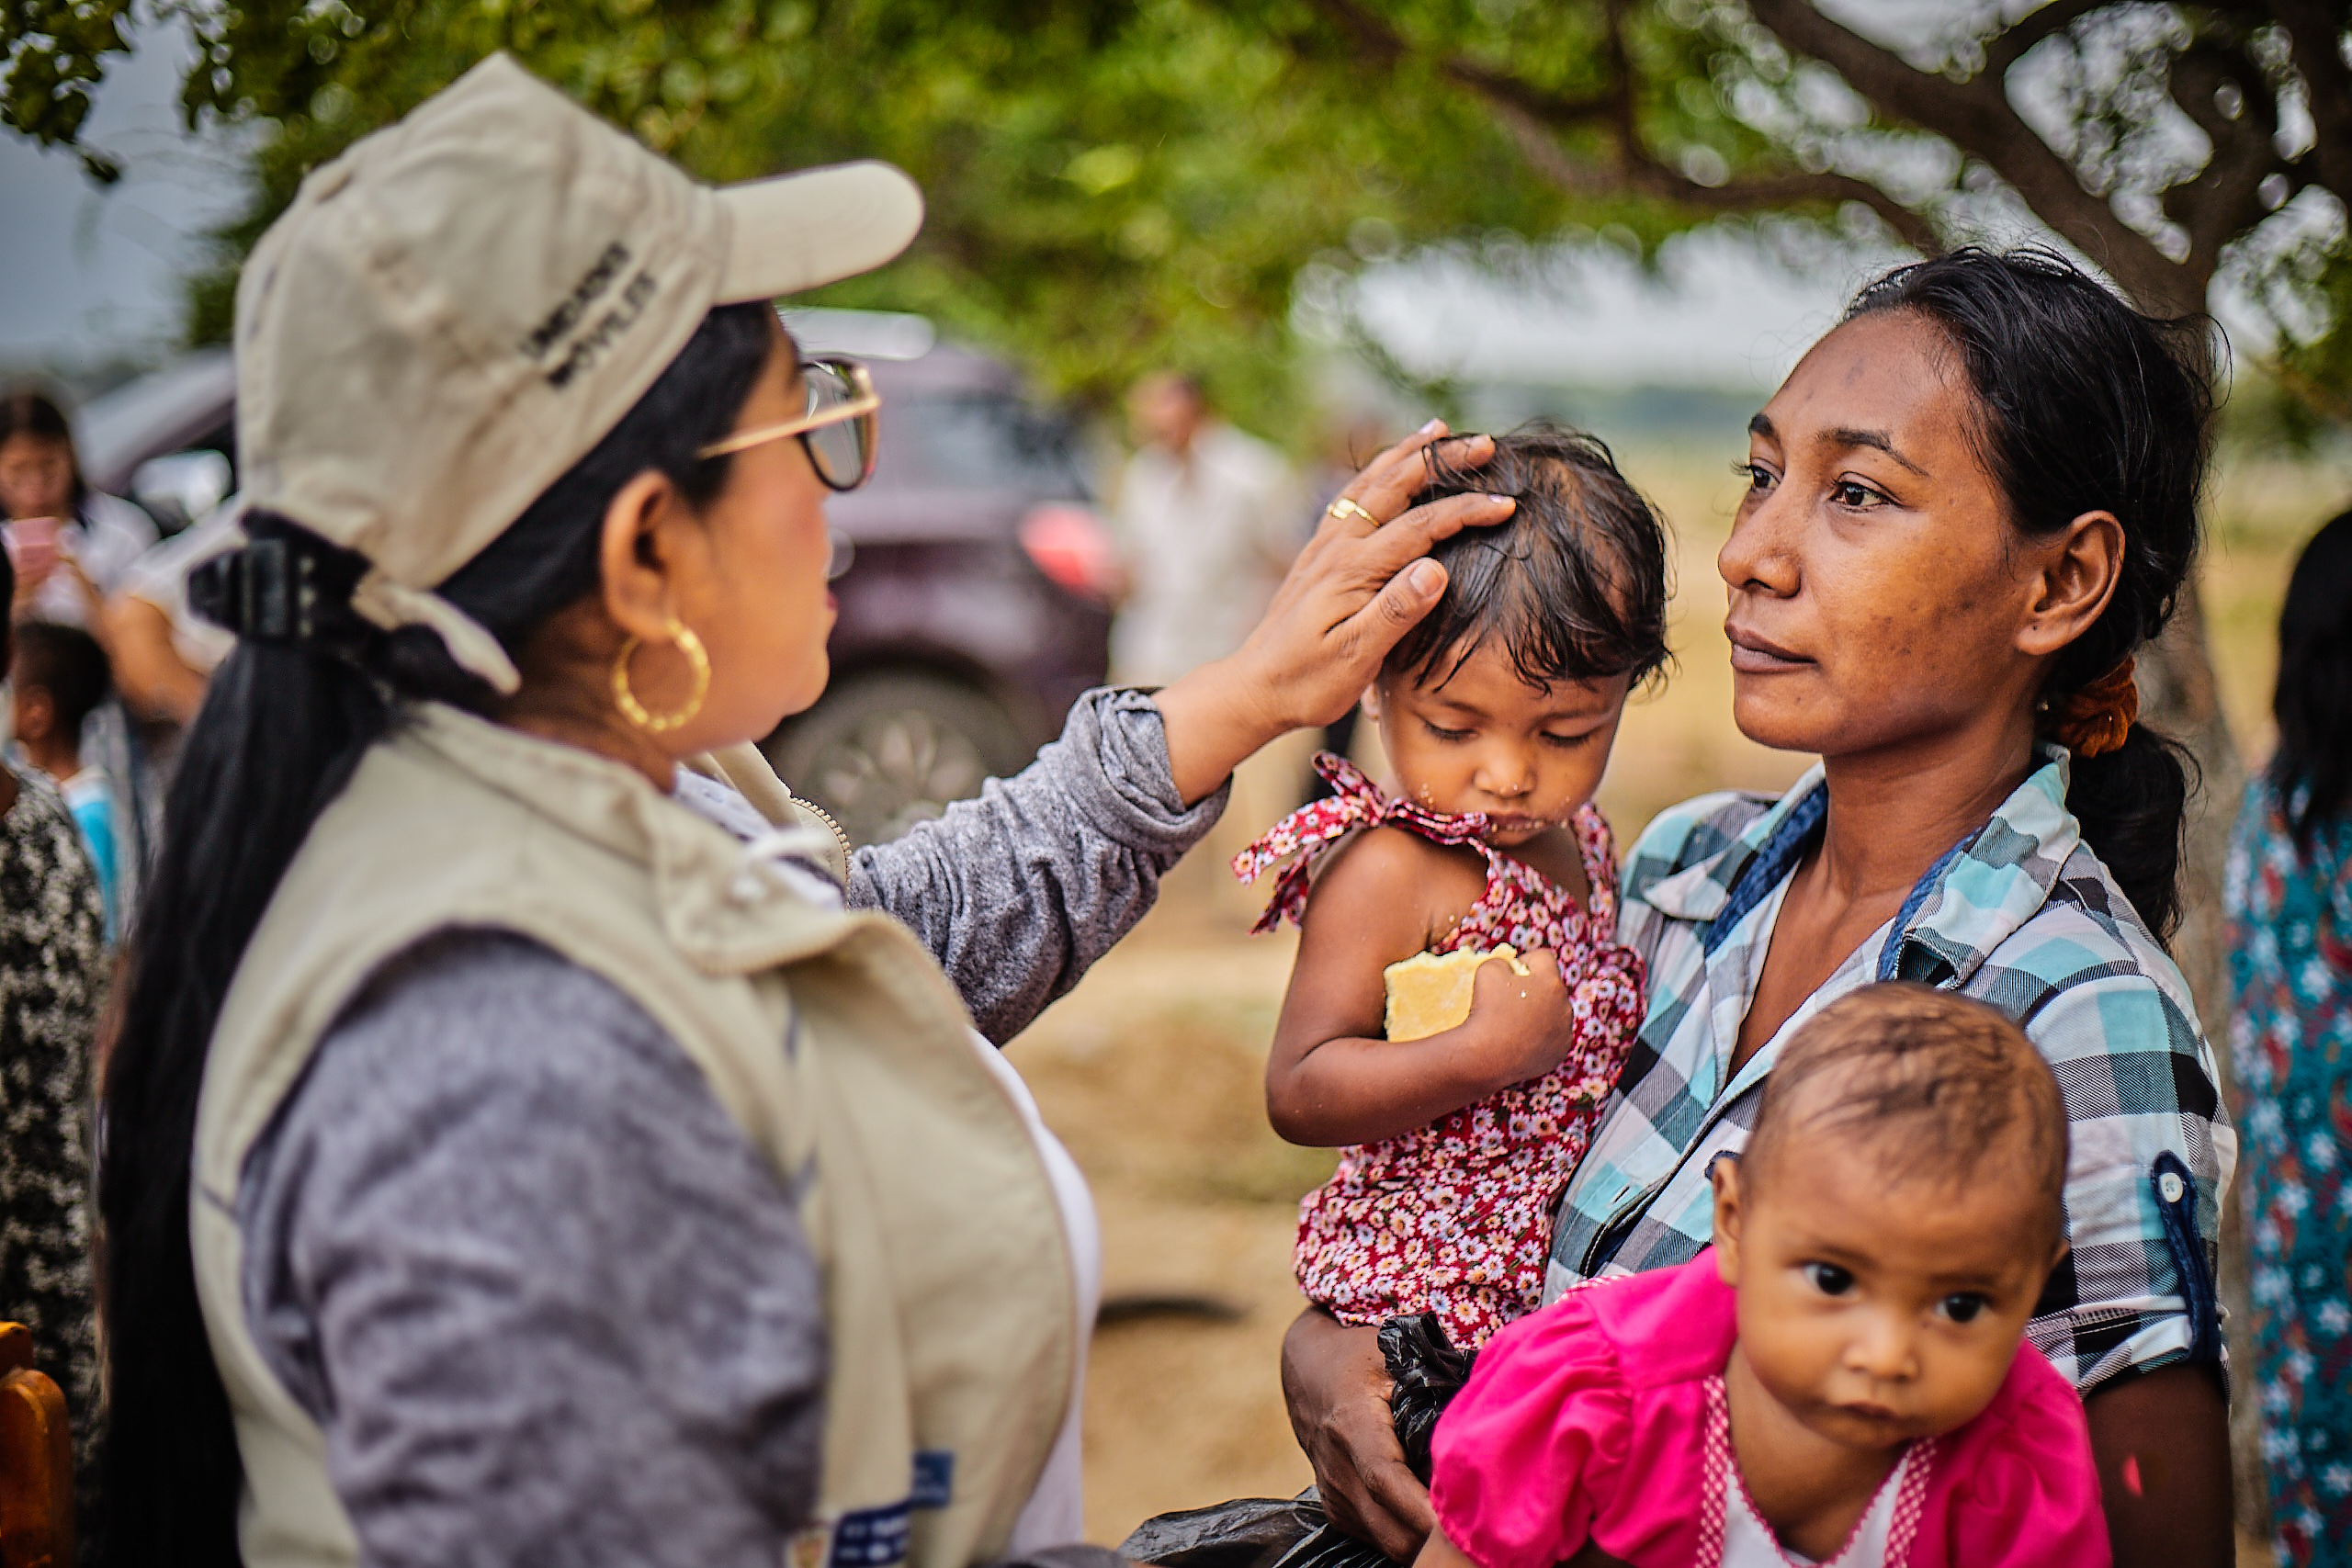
[(1207, 537)]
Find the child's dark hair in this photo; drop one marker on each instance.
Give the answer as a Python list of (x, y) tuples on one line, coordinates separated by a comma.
[(1573, 584), (1935, 1086), (67, 664)]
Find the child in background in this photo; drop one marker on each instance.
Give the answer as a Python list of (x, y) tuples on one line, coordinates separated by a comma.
[(1843, 1378), (1496, 713), (60, 676)]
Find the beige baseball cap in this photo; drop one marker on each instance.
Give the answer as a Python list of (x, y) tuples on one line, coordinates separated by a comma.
[(455, 312)]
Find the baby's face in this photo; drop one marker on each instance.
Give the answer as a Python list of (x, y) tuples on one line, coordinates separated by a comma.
[(1486, 740), (1878, 1314)]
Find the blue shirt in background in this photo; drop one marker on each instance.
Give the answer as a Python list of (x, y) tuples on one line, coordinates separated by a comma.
[(89, 796)]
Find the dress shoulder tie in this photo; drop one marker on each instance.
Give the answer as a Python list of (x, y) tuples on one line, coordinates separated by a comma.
[(1309, 833)]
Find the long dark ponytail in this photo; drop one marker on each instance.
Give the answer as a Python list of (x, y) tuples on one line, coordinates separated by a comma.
[(2089, 405), (281, 730)]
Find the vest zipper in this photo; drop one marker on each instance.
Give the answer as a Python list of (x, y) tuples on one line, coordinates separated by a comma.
[(827, 818)]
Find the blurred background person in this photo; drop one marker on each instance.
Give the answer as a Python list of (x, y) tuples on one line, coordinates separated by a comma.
[(52, 983), (163, 653), (1207, 519), (58, 676), (70, 545), (2288, 895)]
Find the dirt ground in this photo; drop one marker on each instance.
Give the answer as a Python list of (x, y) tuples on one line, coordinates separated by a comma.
[(1151, 1069)]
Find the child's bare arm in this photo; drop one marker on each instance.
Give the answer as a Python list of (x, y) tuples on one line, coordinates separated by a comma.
[(1332, 1077)]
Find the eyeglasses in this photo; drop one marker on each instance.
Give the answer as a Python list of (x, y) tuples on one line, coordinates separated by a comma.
[(839, 431)]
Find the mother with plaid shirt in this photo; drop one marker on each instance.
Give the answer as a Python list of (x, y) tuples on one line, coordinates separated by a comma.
[(1967, 508)]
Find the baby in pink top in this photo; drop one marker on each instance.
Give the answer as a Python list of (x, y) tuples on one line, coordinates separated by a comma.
[(1842, 1378)]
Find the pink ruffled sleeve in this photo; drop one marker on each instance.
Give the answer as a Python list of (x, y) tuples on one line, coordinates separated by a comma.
[(1533, 1445), (2026, 1495)]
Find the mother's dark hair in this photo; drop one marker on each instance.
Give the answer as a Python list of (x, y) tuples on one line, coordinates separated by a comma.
[(282, 728), (2087, 405)]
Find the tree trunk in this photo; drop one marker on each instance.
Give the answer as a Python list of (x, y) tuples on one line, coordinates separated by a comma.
[(2180, 699)]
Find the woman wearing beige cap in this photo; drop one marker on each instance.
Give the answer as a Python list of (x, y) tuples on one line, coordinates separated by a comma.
[(531, 1138)]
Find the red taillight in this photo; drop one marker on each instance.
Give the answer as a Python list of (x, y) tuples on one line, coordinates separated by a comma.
[(1072, 548)]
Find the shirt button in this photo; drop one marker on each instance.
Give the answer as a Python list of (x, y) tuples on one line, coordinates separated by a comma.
[(2171, 1186)]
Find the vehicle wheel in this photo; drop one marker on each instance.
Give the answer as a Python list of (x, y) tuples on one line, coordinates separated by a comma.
[(884, 752)]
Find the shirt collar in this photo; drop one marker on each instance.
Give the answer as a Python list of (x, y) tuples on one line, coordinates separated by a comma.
[(1700, 891), (2000, 880), (1972, 903)]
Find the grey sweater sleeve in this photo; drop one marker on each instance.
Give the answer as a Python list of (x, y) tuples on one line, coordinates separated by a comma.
[(546, 1300), (1018, 891)]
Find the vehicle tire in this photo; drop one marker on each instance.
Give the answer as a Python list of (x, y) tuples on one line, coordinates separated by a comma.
[(889, 749)]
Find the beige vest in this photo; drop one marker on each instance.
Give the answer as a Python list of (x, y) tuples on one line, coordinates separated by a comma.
[(832, 1040)]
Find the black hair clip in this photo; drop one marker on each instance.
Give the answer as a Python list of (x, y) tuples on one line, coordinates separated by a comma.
[(267, 591)]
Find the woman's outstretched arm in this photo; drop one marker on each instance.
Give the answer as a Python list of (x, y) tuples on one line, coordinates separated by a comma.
[(1017, 893)]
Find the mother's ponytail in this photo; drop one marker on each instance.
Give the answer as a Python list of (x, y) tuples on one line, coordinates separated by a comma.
[(283, 727), (2087, 405)]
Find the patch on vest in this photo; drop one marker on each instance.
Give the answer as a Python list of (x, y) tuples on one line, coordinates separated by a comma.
[(876, 1537), (934, 1479)]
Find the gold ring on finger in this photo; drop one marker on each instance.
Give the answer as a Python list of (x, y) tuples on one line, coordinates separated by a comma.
[(1346, 506)]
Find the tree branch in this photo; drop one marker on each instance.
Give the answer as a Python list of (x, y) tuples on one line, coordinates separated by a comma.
[(1646, 173), (2225, 200), (1530, 116), (1377, 43), (1975, 116), (2315, 34), (2014, 42)]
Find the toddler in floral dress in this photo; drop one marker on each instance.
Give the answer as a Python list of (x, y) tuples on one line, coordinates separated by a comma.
[(1497, 714)]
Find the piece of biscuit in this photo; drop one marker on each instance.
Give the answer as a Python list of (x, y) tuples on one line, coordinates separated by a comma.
[(1429, 992)]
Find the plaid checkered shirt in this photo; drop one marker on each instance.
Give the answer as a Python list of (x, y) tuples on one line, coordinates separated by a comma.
[(2021, 915)]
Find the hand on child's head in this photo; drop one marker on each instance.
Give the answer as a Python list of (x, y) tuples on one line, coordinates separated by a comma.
[(1895, 1216), (1505, 698)]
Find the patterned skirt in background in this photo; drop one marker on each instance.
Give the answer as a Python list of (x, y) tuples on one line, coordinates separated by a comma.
[(2290, 1035)]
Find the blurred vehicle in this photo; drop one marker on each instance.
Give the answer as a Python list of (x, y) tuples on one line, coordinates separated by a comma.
[(973, 572), (168, 441)]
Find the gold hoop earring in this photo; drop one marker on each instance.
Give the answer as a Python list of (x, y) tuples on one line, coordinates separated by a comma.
[(683, 636)]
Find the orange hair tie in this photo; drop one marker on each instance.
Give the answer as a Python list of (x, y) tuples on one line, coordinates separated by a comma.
[(2094, 721)]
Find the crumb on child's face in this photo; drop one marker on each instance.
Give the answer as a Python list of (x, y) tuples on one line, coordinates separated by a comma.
[(1876, 1313), (1487, 740)]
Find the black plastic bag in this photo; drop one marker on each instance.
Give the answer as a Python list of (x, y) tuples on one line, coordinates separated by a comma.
[(1248, 1532), (1251, 1532), (1294, 1532), (1428, 1372)]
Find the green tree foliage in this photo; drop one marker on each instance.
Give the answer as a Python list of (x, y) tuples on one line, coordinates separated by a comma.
[(1117, 183), (1111, 186)]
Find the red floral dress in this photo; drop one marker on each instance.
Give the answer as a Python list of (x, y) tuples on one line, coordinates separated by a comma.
[(1456, 1218)]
